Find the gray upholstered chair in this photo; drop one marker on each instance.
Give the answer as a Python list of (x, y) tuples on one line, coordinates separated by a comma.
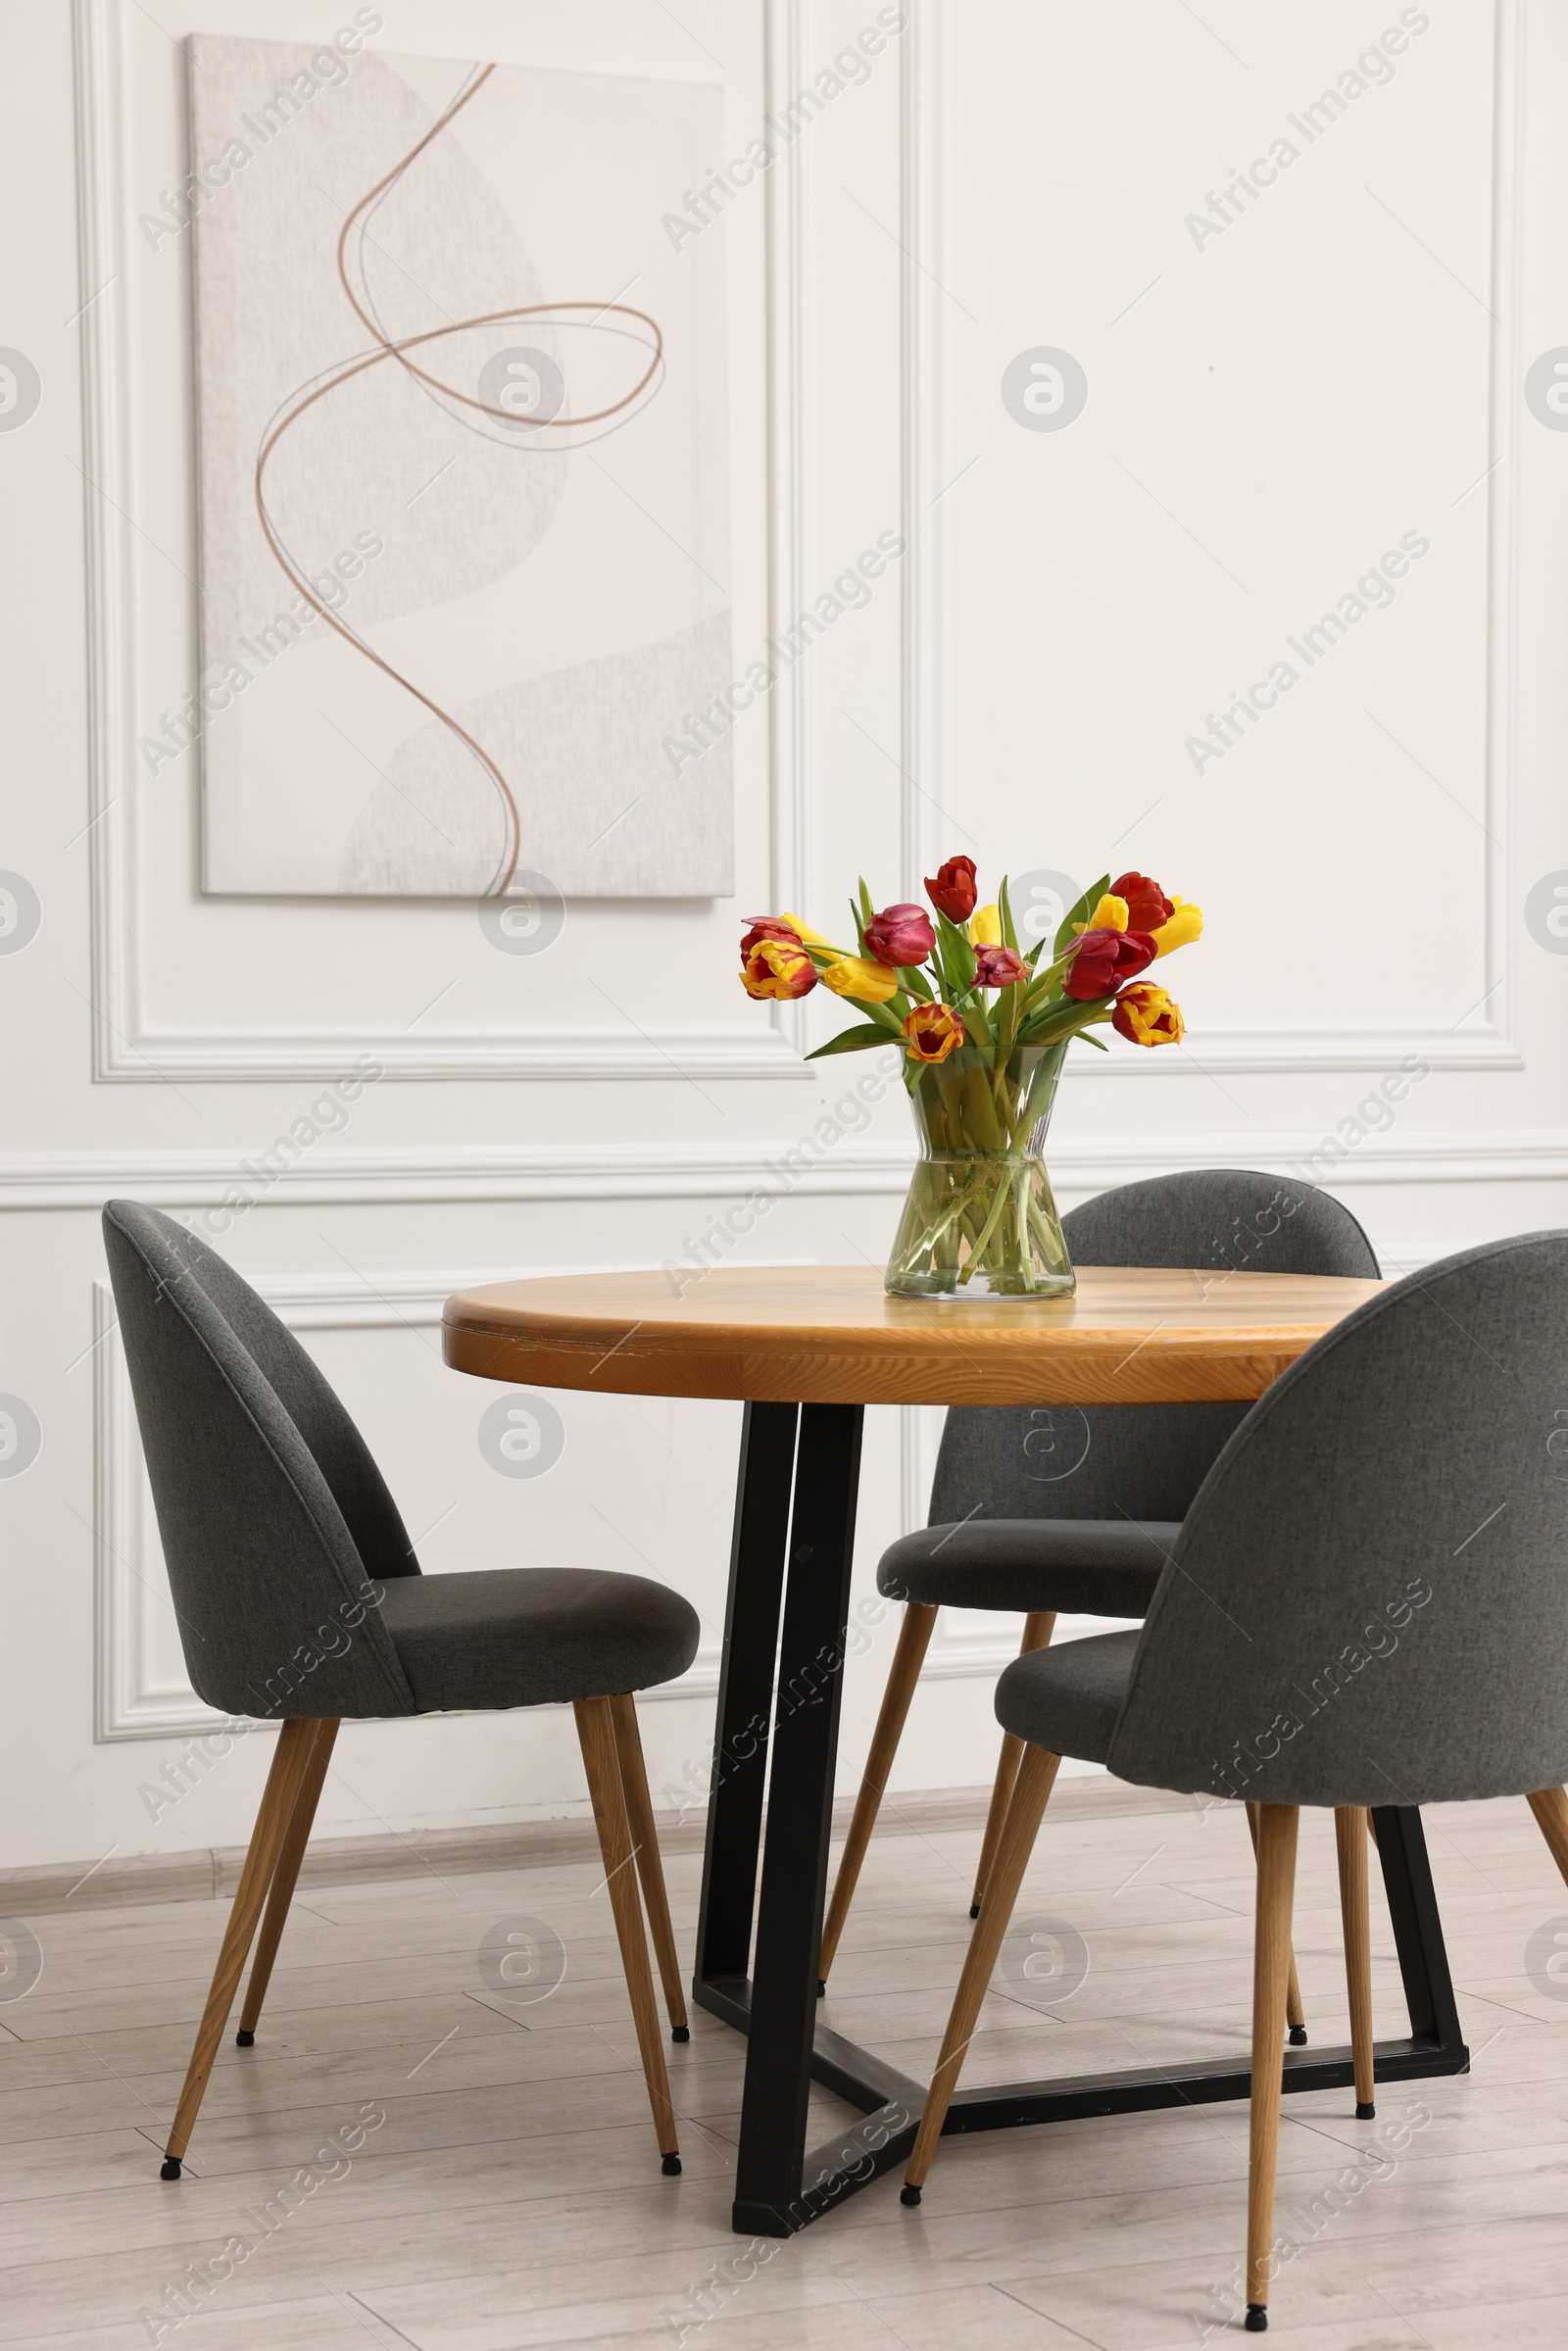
[(300, 1601), (1073, 1512), (1367, 1603)]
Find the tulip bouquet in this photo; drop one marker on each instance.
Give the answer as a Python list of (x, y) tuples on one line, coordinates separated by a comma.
[(983, 1027)]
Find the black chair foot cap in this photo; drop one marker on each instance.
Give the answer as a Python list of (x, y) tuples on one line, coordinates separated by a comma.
[(670, 2166), (1256, 2318), (170, 2169), (821, 1988), (1297, 2041), (974, 1910), (1364, 2111), (680, 2033), (244, 2039), (908, 2196)]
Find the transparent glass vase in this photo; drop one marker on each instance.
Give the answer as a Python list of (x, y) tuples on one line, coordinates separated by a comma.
[(979, 1219)]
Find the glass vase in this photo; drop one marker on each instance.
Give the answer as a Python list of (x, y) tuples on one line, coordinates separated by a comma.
[(979, 1220)]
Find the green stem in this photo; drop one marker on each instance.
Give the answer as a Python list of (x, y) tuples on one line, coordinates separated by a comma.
[(1053, 1247), (1021, 1207), (1004, 1192)]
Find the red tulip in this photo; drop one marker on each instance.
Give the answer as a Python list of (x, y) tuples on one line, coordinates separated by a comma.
[(779, 968), (1103, 959), (1148, 907), (767, 926), (997, 966), (900, 936), (953, 893), (1146, 1015)]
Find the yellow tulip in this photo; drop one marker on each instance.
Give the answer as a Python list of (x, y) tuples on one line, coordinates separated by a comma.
[(1184, 926), (858, 976), (1109, 915), (985, 927), (804, 930), (933, 1031)]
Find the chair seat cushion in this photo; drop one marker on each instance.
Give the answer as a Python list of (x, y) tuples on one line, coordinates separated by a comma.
[(535, 1636), (1068, 1699), (1079, 1566)]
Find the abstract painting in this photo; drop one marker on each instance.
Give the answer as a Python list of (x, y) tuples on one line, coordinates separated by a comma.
[(463, 537)]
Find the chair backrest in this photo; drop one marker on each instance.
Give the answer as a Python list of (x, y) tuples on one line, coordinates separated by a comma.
[(1141, 1460), (1368, 1601), (276, 1524)]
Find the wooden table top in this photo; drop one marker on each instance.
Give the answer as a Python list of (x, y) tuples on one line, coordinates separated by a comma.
[(830, 1334)]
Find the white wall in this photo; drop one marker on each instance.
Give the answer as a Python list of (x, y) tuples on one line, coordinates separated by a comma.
[(1269, 409)]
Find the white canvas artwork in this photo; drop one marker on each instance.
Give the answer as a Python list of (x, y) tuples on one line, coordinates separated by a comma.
[(464, 545)]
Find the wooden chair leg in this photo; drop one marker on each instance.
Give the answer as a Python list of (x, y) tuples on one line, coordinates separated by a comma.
[(285, 1877), (915, 1636), (1550, 1808), (1036, 1631), (1294, 2014), (1002, 1788), (650, 1865), (596, 1733), (1349, 1836), (290, 1759), (1036, 1775), (1271, 1962)]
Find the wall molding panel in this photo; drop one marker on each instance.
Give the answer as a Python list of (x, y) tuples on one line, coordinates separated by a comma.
[(126, 1047), (1484, 1038)]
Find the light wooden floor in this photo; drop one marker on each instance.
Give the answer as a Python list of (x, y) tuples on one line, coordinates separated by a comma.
[(511, 2195)]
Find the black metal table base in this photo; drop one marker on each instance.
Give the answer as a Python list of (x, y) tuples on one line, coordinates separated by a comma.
[(796, 1504)]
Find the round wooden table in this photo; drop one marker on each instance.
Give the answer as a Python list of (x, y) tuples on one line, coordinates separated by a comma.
[(805, 1349), (831, 1335)]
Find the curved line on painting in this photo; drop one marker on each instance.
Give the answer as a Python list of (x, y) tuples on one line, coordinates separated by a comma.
[(510, 439)]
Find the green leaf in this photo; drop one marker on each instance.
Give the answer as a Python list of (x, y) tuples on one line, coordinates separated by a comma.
[(852, 1040), (915, 981), (1012, 1004), (954, 959), (1055, 1021), (1078, 913), (1043, 988), (867, 909), (1010, 937), (939, 962)]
